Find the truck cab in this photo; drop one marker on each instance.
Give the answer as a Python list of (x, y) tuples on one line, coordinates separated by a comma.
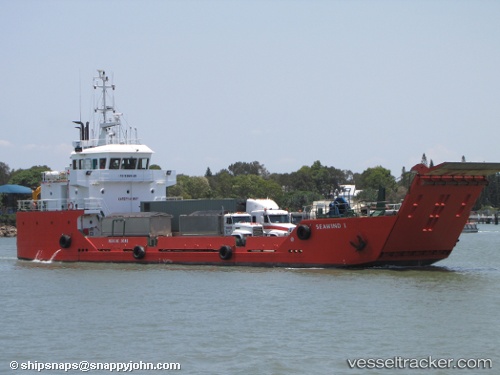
[(240, 224), (276, 222)]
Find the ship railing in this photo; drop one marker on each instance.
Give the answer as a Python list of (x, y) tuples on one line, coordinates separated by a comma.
[(43, 205), (89, 143), (88, 204), (379, 208), (54, 176), (96, 205), (357, 209)]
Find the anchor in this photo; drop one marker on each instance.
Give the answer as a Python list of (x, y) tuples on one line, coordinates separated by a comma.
[(360, 245)]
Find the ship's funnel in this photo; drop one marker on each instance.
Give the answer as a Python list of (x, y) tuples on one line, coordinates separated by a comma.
[(82, 130)]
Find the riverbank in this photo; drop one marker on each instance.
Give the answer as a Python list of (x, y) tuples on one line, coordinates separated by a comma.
[(8, 231)]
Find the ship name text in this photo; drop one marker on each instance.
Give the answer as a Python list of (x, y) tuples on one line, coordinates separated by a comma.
[(329, 226), (118, 240)]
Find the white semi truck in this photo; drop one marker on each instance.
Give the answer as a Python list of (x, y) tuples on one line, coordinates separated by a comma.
[(276, 222), (237, 224)]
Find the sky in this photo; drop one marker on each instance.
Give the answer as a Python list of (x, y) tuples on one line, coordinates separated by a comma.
[(353, 84)]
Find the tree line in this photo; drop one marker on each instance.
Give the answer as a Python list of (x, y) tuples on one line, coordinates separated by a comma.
[(292, 191)]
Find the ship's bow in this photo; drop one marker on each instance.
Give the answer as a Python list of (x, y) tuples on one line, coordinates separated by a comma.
[(434, 212)]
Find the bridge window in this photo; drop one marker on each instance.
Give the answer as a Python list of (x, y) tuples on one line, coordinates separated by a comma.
[(128, 163), (143, 163), (114, 163), (102, 163)]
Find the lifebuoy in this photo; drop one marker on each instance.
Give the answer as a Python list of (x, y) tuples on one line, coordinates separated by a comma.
[(139, 252), (70, 205), (225, 252), (303, 232), (65, 241)]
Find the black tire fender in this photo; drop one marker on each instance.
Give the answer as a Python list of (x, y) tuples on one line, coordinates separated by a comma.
[(139, 252), (303, 232), (65, 241), (225, 252)]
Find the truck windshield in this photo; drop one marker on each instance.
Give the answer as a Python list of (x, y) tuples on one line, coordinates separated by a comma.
[(279, 218), (241, 219)]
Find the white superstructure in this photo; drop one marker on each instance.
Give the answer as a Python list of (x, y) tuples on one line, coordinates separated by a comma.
[(107, 175)]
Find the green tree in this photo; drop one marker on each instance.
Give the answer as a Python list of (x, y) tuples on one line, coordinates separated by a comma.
[(424, 160), (292, 190), (403, 184), (318, 179), (297, 200), (301, 180), (4, 173), (189, 187), (246, 186), (374, 178), (197, 187), (490, 196), (324, 183), (221, 184), (178, 189), (242, 168), (29, 177)]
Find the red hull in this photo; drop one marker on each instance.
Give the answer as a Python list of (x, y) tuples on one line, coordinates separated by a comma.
[(424, 231)]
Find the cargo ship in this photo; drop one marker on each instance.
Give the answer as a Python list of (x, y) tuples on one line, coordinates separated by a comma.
[(109, 206)]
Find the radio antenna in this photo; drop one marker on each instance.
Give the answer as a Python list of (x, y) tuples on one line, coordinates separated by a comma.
[(80, 90)]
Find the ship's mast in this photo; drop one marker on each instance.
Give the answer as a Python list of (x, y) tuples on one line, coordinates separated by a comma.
[(101, 82)]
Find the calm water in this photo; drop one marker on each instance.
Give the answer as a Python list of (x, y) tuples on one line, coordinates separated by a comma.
[(252, 320)]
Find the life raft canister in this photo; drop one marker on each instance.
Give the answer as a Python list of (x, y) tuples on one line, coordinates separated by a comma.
[(65, 241), (139, 252), (225, 252), (303, 232)]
